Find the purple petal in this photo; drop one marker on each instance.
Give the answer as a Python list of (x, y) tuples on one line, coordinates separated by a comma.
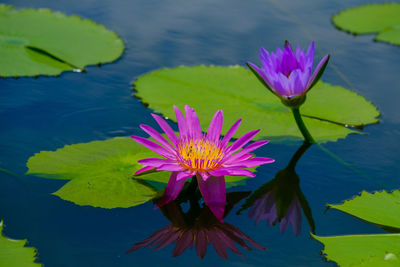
[(154, 162), (144, 169), (319, 70), (168, 239), (166, 128), (214, 194), (172, 190), (158, 137), (148, 240), (153, 146), (201, 243), (170, 167), (242, 141), (261, 75), (241, 173), (230, 133), (185, 175), (204, 175), (253, 162), (219, 172), (246, 150), (310, 51), (227, 242), (193, 123), (214, 130), (183, 129)]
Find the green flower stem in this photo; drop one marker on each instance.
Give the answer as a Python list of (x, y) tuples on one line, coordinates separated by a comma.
[(302, 127)]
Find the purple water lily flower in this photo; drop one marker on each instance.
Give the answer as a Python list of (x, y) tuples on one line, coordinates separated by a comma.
[(287, 74), (206, 156)]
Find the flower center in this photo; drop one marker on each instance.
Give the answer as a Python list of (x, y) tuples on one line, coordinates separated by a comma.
[(200, 154)]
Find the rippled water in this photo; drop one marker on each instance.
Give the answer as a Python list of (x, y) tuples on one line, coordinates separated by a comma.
[(48, 113)]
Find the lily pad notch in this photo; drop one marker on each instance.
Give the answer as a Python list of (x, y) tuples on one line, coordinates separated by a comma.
[(43, 42)]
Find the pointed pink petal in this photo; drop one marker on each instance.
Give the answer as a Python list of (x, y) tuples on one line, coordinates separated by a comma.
[(170, 167), (193, 123), (253, 162), (147, 241), (183, 129), (185, 175), (246, 150), (166, 128), (172, 190), (242, 141), (214, 130), (227, 241), (154, 162), (204, 175), (144, 169), (214, 194), (230, 133), (168, 238), (158, 137), (153, 146), (241, 173), (218, 172)]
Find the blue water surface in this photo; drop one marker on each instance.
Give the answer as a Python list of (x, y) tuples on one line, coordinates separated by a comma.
[(49, 112)]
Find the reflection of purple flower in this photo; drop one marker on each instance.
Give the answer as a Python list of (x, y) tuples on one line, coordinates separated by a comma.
[(207, 156), (206, 229), (288, 74), (265, 209)]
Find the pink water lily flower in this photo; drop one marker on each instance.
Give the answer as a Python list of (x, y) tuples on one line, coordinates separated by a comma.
[(289, 74), (206, 156)]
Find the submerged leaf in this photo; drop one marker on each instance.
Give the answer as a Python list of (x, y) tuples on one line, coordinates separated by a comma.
[(14, 253), (375, 18), (328, 109), (379, 208), (39, 41)]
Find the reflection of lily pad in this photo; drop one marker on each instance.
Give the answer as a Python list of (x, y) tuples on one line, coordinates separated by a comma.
[(380, 208), (14, 252), (362, 250), (100, 172), (34, 42), (239, 94), (383, 19)]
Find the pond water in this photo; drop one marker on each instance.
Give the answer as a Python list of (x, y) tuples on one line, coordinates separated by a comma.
[(49, 112)]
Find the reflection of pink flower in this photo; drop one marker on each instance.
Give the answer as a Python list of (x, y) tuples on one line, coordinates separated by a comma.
[(206, 229), (207, 156), (265, 208)]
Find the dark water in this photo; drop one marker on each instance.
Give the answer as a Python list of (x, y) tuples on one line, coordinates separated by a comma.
[(48, 113)]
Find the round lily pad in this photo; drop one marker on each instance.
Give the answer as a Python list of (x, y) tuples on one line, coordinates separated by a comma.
[(15, 253), (383, 19), (42, 42), (329, 112)]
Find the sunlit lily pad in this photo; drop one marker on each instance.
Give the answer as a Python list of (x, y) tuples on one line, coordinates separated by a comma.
[(14, 253), (375, 18), (239, 94), (101, 173), (40, 41), (379, 208), (362, 250)]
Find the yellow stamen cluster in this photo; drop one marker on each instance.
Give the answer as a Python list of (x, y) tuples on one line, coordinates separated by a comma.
[(200, 155)]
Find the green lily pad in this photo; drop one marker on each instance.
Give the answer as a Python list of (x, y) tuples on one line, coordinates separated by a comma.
[(239, 94), (379, 208), (362, 250), (42, 42), (14, 252), (375, 18), (101, 173)]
